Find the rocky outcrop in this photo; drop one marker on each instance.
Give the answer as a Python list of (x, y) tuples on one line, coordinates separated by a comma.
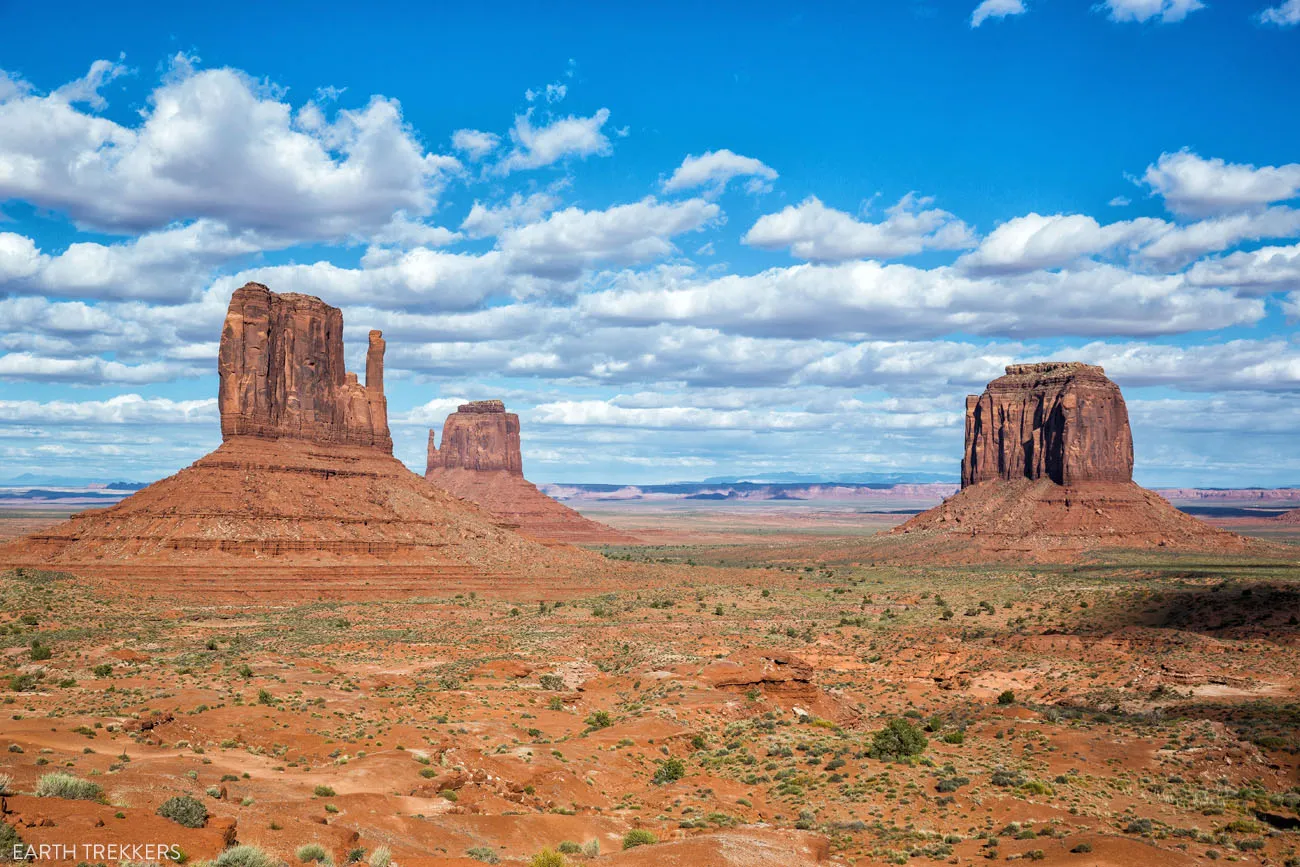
[(479, 460), (479, 435), (1047, 475), (282, 373), (1063, 421), (303, 499)]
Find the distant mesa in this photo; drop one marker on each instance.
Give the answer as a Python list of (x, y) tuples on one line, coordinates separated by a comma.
[(1047, 473), (1063, 421), (480, 460), (303, 498)]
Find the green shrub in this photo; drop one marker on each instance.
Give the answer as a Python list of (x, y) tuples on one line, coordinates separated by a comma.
[(551, 681), (449, 795), (60, 785), (381, 857), (9, 840), (898, 739), (24, 682), (1007, 697), (184, 810), (40, 652), (600, 720), (484, 854), (244, 856), (323, 792), (670, 771), (547, 858), (104, 669), (638, 837), (312, 852)]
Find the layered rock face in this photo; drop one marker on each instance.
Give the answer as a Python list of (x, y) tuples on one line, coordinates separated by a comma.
[(303, 499), (1047, 474), (479, 460), (1063, 421), (282, 373), (479, 435)]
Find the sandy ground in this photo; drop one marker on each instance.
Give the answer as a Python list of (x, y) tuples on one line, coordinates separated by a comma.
[(1142, 710)]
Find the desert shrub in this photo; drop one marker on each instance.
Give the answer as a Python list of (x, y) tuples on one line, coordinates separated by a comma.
[(184, 810), (568, 847), (1007, 778), (323, 792), (1139, 826), (551, 681), (104, 669), (1007, 697), (592, 849), (312, 852), (449, 795), (244, 856), (670, 770), (600, 720), (898, 739), (951, 784), (264, 697), (1037, 787), (547, 858), (60, 785), (638, 837), (484, 854), (381, 857), (1082, 848), (9, 840), (24, 682), (356, 856), (956, 736), (40, 652)]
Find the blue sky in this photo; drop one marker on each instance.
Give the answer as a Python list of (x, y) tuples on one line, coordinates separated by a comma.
[(687, 241)]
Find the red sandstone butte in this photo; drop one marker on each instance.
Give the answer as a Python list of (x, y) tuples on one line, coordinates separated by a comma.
[(282, 373), (303, 498), (1063, 421), (1047, 474), (479, 460)]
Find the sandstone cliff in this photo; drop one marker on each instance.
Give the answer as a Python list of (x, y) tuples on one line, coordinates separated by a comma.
[(303, 498), (1047, 475), (479, 460), (1063, 421), (479, 435), (282, 373)]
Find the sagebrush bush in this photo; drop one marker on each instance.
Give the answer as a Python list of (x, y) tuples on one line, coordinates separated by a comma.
[(897, 740), (184, 810), (244, 856), (311, 852), (60, 785), (638, 837), (484, 854), (548, 858)]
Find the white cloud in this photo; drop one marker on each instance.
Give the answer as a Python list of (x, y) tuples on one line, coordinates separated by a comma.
[(171, 265), (1283, 15), (1261, 272), (1034, 241), (813, 231), (860, 299), (215, 144), (1195, 186), (118, 410), (430, 414), (1120, 202), (1165, 11), (602, 413), (715, 169), (1179, 245), (1255, 365), (996, 9), (475, 143), (573, 136), (24, 366), (554, 92), (490, 220), (86, 89), (568, 241)]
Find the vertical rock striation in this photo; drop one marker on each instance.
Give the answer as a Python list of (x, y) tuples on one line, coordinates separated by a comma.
[(282, 373), (1064, 421), (481, 436)]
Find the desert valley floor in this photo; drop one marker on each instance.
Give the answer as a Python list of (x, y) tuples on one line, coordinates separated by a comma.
[(741, 690)]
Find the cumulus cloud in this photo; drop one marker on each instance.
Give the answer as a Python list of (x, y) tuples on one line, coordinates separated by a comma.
[(1260, 272), (489, 220), (215, 144), (474, 143), (1035, 241), (867, 298), (1192, 185), (996, 9), (169, 266), (821, 234), (1164, 11), (25, 366), (568, 241), (715, 169), (1283, 15), (118, 410), (572, 136)]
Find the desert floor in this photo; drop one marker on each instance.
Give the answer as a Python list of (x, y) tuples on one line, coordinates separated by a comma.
[(720, 688)]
